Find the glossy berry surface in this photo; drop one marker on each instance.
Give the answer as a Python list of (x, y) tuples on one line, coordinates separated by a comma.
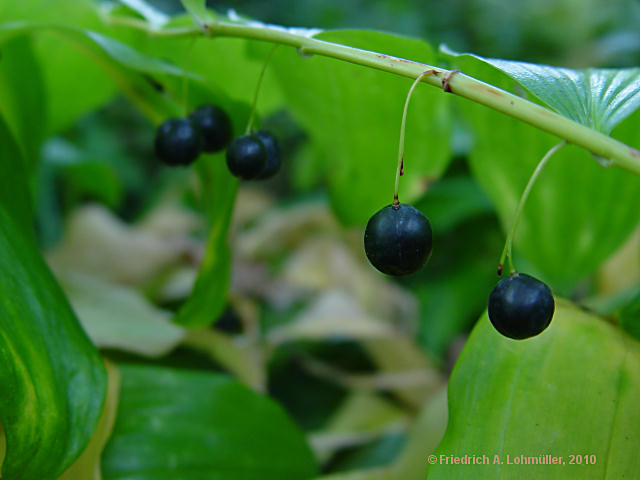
[(246, 156), (215, 126), (521, 306), (398, 239), (273, 154), (178, 142)]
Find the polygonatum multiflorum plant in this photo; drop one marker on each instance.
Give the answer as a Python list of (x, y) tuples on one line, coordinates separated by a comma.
[(97, 375)]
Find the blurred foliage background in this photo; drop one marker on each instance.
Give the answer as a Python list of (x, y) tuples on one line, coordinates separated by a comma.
[(353, 356)]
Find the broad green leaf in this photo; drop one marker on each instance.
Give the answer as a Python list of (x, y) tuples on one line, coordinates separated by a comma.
[(570, 391), (22, 98), (52, 381), (87, 466), (352, 115), (14, 188), (231, 65), (73, 85), (450, 298), (129, 69), (198, 425), (209, 296), (119, 317), (133, 59), (599, 98), (451, 201), (575, 216)]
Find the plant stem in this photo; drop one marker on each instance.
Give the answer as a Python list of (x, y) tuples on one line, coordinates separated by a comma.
[(255, 95), (506, 251), (399, 169), (621, 155)]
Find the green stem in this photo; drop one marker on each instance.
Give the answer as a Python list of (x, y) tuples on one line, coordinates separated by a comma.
[(506, 251), (399, 168), (621, 155), (255, 95)]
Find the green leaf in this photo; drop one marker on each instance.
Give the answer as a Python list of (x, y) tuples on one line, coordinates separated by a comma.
[(73, 85), (352, 115), (564, 233), (14, 188), (52, 381), (231, 65), (200, 425), (129, 69), (22, 97), (452, 200), (209, 296), (599, 98), (133, 59), (531, 398), (453, 290)]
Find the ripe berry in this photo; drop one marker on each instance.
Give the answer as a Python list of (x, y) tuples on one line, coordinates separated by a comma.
[(246, 156), (520, 306), (215, 126), (178, 142), (398, 239), (273, 154)]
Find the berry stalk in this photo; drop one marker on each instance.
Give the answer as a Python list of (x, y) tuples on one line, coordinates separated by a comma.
[(400, 168), (506, 251), (257, 92)]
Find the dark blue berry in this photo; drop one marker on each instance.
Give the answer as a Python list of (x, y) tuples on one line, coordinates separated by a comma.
[(521, 306), (398, 240), (246, 156), (178, 142), (215, 126)]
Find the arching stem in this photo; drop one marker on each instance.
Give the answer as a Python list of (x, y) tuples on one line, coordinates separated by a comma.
[(257, 92), (400, 167), (506, 251)]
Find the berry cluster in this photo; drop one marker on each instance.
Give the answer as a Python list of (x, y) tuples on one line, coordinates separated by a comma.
[(398, 238), (179, 142), (398, 241)]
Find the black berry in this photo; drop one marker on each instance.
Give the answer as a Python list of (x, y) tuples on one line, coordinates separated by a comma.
[(246, 156), (520, 306), (178, 142), (273, 154), (215, 126), (398, 239)]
